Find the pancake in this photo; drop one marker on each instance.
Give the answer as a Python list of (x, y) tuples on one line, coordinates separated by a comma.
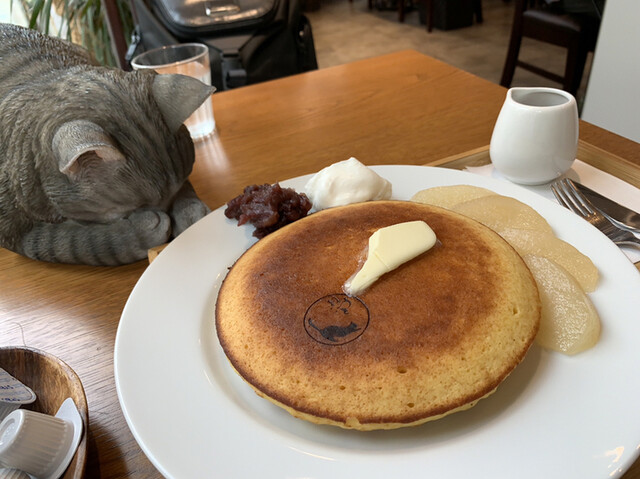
[(429, 338)]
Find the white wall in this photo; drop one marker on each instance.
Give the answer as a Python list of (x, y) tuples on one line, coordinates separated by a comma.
[(612, 100), (12, 12)]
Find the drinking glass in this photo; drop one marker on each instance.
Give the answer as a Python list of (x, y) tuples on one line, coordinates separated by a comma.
[(190, 59), (535, 138)]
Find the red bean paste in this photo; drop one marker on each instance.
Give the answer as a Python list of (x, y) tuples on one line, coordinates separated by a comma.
[(268, 208)]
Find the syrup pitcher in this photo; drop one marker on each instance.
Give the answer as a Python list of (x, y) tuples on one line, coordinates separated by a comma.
[(535, 138)]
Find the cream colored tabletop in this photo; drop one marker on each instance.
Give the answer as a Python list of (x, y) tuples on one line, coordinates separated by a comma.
[(402, 108)]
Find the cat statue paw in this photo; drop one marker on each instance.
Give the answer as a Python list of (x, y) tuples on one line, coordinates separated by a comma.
[(150, 227), (92, 243), (94, 161), (186, 209)]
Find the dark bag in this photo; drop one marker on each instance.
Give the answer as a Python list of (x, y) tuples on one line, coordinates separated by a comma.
[(250, 41)]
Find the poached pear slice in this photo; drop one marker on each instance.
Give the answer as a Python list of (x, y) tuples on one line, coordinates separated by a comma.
[(451, 195), (501, 212), (569, 323), (545, 244)]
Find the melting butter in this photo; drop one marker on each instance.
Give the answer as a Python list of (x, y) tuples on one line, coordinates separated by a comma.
[(390, 247)]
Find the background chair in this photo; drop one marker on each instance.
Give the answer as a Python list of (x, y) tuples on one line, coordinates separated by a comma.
[(401, 8), (477, 12), (576, 33)]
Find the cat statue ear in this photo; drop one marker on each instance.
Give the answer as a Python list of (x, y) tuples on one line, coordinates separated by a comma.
[(78, 143), (178, 96)]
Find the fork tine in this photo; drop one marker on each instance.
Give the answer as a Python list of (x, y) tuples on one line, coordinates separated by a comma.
[(571, 198), (577, 197), (559, 198), (574, 197), (563, 198)]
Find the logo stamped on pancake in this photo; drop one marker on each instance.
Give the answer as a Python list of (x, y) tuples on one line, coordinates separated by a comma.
[(336, 319)]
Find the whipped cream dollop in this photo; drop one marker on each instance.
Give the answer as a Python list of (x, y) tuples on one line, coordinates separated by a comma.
[(346, 182)]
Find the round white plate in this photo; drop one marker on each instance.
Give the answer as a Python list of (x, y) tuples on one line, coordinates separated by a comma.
[(555, 416)]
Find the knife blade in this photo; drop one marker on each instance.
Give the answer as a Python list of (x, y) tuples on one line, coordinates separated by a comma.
[(621, 214)]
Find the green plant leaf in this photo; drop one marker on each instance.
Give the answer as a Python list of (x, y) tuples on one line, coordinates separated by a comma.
[(36, 8), (84, 23), (46, 15)]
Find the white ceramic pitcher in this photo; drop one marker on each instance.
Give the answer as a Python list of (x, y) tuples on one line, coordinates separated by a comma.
[(535, 138)]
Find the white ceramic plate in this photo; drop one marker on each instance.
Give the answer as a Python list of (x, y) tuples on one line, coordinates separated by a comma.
[(555, 416)]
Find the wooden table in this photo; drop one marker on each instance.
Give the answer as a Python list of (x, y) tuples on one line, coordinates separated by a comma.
[(399, 108)]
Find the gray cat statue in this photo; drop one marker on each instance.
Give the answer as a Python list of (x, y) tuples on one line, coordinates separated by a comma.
[(94, 161)]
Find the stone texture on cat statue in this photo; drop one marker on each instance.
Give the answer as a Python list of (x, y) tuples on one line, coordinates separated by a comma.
[(94, 161)]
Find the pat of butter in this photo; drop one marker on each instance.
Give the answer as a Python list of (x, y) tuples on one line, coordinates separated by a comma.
[(390, 247)]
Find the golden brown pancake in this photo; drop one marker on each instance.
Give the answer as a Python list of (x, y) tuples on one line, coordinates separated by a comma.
[(429, 338)]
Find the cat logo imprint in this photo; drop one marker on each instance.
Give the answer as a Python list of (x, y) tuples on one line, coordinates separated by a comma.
[(336, 319)]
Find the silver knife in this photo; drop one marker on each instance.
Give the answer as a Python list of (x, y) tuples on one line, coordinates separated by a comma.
[(622, 215)]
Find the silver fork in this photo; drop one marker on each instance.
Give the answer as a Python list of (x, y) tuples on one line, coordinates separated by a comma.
[(568, 196)]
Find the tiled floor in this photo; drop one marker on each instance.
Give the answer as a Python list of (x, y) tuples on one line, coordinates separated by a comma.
[(345, 31)]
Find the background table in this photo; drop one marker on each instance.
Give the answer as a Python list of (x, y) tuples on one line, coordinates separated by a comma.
[(403, 108)]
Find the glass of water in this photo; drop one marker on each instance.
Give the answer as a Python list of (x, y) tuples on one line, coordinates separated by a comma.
[(190, 59)]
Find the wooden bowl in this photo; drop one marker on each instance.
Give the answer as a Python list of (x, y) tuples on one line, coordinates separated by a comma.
[(53, 381)]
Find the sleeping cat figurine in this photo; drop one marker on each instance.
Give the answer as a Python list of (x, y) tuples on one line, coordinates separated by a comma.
[(94, 161)]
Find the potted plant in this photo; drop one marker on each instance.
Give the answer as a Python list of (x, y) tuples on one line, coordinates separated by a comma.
[(103, 27)]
